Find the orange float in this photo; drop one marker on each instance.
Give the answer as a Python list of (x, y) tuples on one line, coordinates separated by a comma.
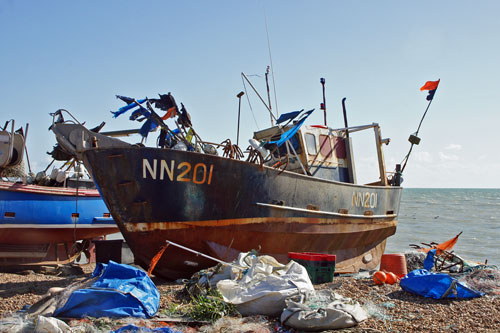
[(379, 277), (391, 278)]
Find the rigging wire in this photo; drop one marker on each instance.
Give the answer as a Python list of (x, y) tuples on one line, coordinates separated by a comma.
[(272, 67), (405, 159), (249, 104)]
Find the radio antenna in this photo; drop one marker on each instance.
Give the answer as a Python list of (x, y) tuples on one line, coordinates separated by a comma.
[(271, 61)]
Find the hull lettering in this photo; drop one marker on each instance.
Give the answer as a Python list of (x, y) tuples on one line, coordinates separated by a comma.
[(182, 172), (364, 199)]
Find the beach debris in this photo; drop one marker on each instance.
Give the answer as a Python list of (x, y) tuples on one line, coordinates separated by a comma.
[(114, 290), (322, 310), (264, 286), (436, 285)]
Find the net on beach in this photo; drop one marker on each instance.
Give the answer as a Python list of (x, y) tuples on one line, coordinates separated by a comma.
[(483, 278)]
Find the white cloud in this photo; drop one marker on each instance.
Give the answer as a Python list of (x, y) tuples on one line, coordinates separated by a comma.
[(451, 157), (453, 146), (423, 156)]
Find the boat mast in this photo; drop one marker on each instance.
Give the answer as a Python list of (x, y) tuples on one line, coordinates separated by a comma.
[(269, 94), (323, 105), (241, 93)]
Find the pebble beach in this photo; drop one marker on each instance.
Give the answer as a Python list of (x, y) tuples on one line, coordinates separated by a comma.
[(390, 308)]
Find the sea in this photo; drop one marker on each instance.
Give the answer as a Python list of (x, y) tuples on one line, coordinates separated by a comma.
[(436, 215)]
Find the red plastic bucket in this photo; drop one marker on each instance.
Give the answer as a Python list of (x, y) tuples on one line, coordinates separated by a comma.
[(395, 263)]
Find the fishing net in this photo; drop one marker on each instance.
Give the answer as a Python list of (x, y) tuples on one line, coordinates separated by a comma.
[(482, 278), (415, 260)]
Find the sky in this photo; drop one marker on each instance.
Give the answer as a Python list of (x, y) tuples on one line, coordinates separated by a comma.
[(77, 55)]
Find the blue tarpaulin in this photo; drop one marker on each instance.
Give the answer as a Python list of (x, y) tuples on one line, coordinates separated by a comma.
[(291, 132), (436, 285), (429, 260), (120, 291)]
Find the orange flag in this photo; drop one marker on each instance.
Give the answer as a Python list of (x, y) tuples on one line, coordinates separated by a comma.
[(156, 258), (430, 85), (445, 246), (171, 112)]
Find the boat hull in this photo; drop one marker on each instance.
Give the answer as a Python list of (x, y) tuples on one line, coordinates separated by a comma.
[(221, 207), (41, 224)]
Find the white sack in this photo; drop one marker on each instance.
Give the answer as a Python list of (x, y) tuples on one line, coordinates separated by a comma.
[(263, 288), (323, 311)]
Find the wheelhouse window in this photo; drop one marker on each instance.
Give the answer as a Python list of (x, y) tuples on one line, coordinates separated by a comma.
[(282, 150), (325, 145), (311, 144)]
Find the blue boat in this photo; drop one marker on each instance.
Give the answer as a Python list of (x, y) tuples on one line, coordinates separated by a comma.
[(46, 224)]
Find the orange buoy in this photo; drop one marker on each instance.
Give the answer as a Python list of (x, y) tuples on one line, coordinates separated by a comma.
[(391, 278), (379, 277)]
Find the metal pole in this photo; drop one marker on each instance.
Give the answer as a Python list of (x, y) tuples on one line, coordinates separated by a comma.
[(323, 106), (268, 92), (204, 255), (345, 117), (239, 109), (26, 149)]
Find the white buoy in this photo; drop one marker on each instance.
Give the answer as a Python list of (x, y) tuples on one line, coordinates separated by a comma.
[(260, 147)]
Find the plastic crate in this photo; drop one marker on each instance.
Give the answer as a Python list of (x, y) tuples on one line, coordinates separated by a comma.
[(320, 274), (320, 267)]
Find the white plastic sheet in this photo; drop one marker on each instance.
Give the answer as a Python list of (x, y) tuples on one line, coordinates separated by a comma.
[(263, 288), (51, 325)]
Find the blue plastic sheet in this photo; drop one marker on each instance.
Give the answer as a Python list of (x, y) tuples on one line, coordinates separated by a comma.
[(436, 285), (127, 107), (132, 328), (120, 291), (288, 116), (291, 132), (429, 260)]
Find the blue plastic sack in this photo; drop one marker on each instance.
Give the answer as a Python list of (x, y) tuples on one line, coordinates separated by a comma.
[(120, 291), (436, 285)]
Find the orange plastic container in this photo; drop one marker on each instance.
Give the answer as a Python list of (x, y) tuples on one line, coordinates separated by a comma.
[(395, 263)]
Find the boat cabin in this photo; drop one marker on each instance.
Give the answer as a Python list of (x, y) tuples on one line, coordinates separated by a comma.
[(318, 151)]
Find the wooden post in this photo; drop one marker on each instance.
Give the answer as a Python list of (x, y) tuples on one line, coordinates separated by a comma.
[(380, 155)]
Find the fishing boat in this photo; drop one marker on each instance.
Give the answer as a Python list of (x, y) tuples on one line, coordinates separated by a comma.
[(293, 190), (51, 222)]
